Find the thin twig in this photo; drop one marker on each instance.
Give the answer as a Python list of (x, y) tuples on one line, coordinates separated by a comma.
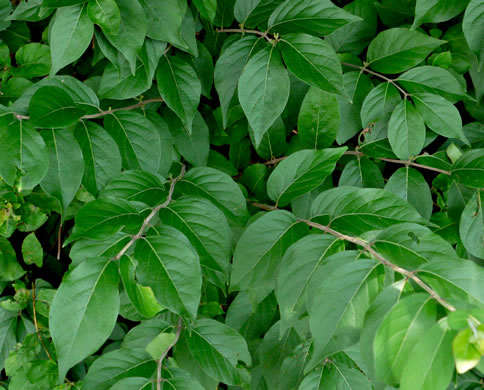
[(365, 69), (36, 324), (147, 220), (59, 238), (243, 31), (159, 379), (263, 206)]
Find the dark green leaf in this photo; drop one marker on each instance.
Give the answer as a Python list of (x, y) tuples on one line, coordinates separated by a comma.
[(33, 60), (472, 26), (105, 13), (10, 268), (32, 252), (381, 100), (472, 225), (469, 169), (361, 172), (207, 8)]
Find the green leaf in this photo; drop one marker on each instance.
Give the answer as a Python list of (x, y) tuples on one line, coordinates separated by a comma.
[(159, 344), (312, 17), (84, 311), (101, 155), (134, 383), (102, 218), (472, 26), (263, 90), (33, 60), (132, 30), (432, 79), (273, 142), (297, 267), (137, 139), (466, 354), (220, 189), (32, 252), (106, 14), (136, 185), (170, 266), (259, 251), (71, 34), (24, 154), (141, 297), (335, 375), (301, 172), (469, 169), (62, 3), (313, 61), (434, 11), (381, 100), (406, 130), (117, 365), (207, 8), (254, 12), (218, 348), (8, 338), (85, 249), (410, 185), (349, 288), (398, 49), (179, 87), (66, 166), (439, 115), (319, 119), (208, 231), (431, 366), (472, 226), (401, 329), (354, 210), (10, 269), (410, 245), (363, 173), (53, 107), (229, 67)]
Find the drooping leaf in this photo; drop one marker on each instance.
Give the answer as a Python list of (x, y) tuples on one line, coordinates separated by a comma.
[(208, 344), (263, 90), (106, 14), (312, 17), (398, 49), (71, 34), (10, 268), (301, 172), (170, 266), (76, 325)]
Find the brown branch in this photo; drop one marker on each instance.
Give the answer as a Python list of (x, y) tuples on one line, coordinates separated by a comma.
[(244, 31), (147, 220), (36, 325), (159, 379), (263, 206), (387, 79), (59, 238)]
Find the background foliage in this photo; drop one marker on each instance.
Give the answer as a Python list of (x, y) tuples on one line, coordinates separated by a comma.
[(249, 194)]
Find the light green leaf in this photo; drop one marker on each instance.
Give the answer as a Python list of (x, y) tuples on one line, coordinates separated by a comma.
[(102, 218), (218, 348), (301, 172), (354, 210), (66, 166), (381, 100), (349, 288), (398, 49), (220, 189), (473, 28), (259, 251), (431, 366), (101, 155), (116, 365), (32, 252), (410, 185), (208, 231), (159, 344), (53, 107), (10, 268), (207, 8), (131, 32), (180, 88), (263, 90), (439, 115), (84, 311), (312, 17), (401, 329), (313, 61), (24, 154), (472, 225), (469, 169), (136, 185), (33, 60), (137, 139), (297, 266), (71, 34), (319, 119), (406, 130), (168, 264), (466, 354), (105, 13)]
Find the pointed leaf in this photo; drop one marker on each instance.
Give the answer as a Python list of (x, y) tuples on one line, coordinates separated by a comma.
[(32, 252), (8, 337), (472, 225), (381, 100), (106, 14), (10, 268), (165, 20), (473, 26), (469, 169)]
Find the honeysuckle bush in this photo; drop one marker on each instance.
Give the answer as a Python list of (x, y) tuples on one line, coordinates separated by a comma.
[(241, 194)]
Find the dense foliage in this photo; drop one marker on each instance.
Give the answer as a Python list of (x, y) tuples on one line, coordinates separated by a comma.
[(241, 194)]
